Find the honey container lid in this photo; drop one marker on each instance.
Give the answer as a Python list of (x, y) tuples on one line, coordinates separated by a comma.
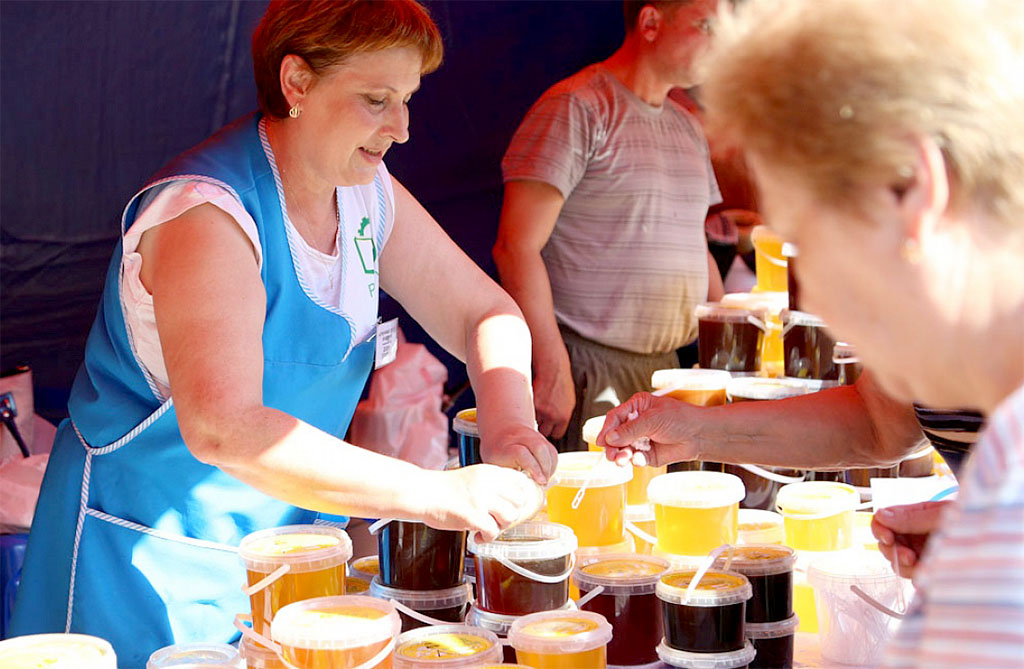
[(560, 632), (716, 588), (690, 379), (696, 489), (423, 600), (465, 423), (772, 630), (204, 654), (590, 468), (532, 540), (365, 567), (335, 623), (57, 651), (302, 547), (687, 660), (817, 499), (759, 559), (447, 646), (620, 573)]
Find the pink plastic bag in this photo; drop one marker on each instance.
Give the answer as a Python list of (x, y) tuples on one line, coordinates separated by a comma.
[(402, 416)]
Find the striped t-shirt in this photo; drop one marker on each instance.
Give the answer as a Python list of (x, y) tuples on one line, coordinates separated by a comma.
[(969, 609), (952, 433), (627, 259)]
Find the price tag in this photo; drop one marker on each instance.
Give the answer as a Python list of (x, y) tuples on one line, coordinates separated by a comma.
[(386, 343)]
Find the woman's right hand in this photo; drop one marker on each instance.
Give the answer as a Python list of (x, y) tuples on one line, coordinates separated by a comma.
[(485, 499), (662, 420)]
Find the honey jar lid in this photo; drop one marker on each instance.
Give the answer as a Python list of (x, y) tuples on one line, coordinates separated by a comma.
[(716, 588), (446, 646), (772, 630), (690, 379), (620, 573), (356, 585), (367, 566), (207, 654), (727, 313), (465, 423), (532, 540), (759, 559), (793, 317), (558, 632), (686, 660), (335, 623), (58, 651), (423, 600), (696, 489), (590, 468), (302, 547), (760, 388), (816, 499)]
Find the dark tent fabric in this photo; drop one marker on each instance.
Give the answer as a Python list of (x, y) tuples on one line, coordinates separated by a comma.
[(97, 95)]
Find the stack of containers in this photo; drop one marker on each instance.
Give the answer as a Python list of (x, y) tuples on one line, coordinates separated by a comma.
[(705, 626), (627, 600), (818, 520), (699, 387), (291, 564), (694, 513), (770, 620), (561, 640), (421, 569), (588, 495), (360, 574), (342, 631), (196, 654), (525, 570)]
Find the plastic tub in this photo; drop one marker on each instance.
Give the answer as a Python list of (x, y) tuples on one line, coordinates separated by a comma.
[(700, 387), (257, 656), (769, 569), (561, 639), (757, 526), (627, 600), (500, 624), (761, 488), (599, 519), (736, 659), (640, 523), (365, 567), (773, 643), (769, 262), (345, 631), (852, 631), (636, 487), (808, 347), (290, 564), (729, 338), (770, 304), (756, 388), (415, 556), (448, 605), (712, 619), (695, 512), (356, 585), (818, 515), (464, 425), (57, 651), (195, 655), (446, 647), (525, 569)]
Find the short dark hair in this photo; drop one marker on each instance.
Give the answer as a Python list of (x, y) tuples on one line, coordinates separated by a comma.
[(631, 9), (326, 32)]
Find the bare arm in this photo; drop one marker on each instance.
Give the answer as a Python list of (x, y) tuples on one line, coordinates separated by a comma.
[(850, 426), (474, 319), (214, 357), (528, 215), (716, 288)]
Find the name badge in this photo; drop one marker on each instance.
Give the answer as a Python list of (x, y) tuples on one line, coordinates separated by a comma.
[(386, 343)]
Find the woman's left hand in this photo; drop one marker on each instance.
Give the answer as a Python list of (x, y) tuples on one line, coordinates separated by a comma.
[(521, 447)]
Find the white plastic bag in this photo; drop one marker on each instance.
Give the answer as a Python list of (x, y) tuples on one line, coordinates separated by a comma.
[(20, 479), (402, 415)]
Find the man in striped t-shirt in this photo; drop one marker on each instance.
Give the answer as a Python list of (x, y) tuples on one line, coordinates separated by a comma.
[(601, 241)]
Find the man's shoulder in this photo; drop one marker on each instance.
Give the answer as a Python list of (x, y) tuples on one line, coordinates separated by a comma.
[(590, 87)]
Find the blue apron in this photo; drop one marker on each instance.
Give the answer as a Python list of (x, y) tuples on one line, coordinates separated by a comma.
[(134, 539)]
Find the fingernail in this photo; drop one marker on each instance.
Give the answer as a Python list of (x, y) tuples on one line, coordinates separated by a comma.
[(885, 541), (886, 513), (611, 437)]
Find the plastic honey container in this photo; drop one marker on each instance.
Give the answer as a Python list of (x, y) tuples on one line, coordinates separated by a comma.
[(818, 515), (465, 427), (292, 563), (365, 567), (205, 655), (57, 651), (636, 487), (730, 338), (448, 605), (561, 639), (345, 631), (769, 568), (414, 556), (737, 659), (257, 656), (757, 526), (712, 619), (598, 517), (627, 600), (773, 643), (446, 647), (700, 387), (525, 569), (695, 512)]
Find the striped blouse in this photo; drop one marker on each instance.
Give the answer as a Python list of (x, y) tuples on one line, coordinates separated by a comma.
[(969, 609)]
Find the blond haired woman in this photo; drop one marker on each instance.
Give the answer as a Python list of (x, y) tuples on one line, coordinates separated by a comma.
[(234, 339), (887, 140)]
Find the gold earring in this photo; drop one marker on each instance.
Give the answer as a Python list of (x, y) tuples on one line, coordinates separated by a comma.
[(295, 111), (910, 250)]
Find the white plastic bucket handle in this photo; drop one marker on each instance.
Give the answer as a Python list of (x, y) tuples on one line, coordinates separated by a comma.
[(251, 590), (705, 566), (534, 576), (770, 475), (871, 601), (589, 596), (640, 534), (416, 615), (252, 635), (374, 528), (757, 323)]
